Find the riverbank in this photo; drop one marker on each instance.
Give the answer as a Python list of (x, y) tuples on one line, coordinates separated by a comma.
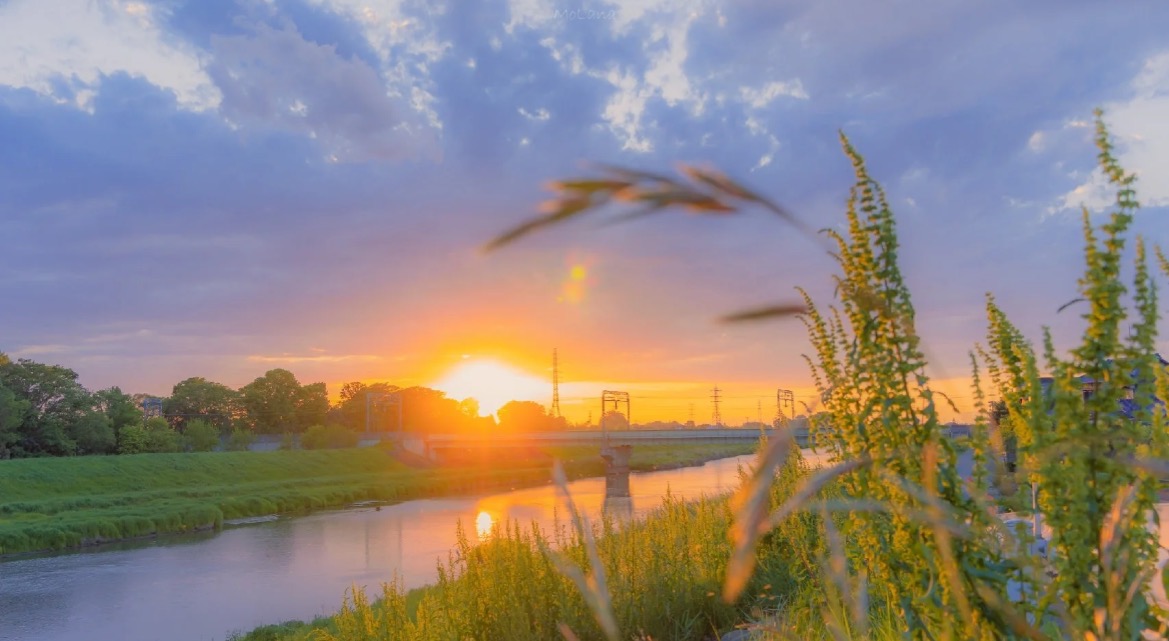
[(57, 504), (664, 576)]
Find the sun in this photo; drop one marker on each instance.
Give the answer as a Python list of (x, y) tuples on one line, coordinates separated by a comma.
[(492, 383)]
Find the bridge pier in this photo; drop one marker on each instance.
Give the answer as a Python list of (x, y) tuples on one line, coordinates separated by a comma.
[(419, 446), (616, 469)]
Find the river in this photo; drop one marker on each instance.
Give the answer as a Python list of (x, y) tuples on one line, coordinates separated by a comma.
[(204, 587)]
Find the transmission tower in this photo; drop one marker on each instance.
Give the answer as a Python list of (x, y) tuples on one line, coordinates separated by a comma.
[(555, 385), (759, 411), (784, 399), (714, 397), (616, 399)]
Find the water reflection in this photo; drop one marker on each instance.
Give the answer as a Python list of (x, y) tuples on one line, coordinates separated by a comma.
[(483, 524), (203, 588), (617, 484), (618, 508)]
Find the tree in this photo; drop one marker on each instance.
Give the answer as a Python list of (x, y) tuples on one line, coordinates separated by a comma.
[(430, 410), (201, 436), (271, 401), (160, 437), (354, 401), (312, 405), (92, 433), (119, 408), (614, 420), (523, 416), (198, 398), (276, 402), (12, 410), (55, 401)]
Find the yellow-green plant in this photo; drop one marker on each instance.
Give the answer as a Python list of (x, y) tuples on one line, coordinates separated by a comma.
[(928, 544), (1077, 445)]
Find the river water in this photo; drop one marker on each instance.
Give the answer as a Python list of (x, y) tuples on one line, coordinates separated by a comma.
[(204, 587)]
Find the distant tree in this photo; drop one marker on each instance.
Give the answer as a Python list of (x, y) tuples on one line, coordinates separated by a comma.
[(312, 405), (660, 425), (613, 420), (119, 408), (93, 434), (200, 436), (354, 401), (430, 410), (524, 416), (12, 410), (273, 403), (469, 407), (199, 398), (160, 436), (240, 440), (132, 440), (55, 401)]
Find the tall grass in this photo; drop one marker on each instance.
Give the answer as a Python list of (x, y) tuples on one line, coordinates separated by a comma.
[(665, 575)]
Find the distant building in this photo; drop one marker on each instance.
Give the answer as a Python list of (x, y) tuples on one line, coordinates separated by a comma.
[(1089, 386)]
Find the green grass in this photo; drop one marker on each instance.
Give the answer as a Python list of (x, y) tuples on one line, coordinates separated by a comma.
[(58, 503), (507, 588), (664, 575)]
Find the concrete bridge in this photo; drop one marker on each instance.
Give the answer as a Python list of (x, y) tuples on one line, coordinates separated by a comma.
[(432, 446), (615, 446)]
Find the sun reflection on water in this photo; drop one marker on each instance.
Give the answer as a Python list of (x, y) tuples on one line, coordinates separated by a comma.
[(483, 524)]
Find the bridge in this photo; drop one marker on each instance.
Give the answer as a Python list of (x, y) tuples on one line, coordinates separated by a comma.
[(615, 445)]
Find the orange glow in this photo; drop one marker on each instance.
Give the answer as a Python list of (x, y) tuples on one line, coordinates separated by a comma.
[(493, 384)]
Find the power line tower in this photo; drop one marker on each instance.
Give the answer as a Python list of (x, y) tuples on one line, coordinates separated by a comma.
[(759, 411), (784, 399), (717, 418), (616, 398), (378, 403), (555, 384)]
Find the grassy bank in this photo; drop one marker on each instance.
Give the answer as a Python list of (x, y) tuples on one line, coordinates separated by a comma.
[(51, 504), (664, 575)]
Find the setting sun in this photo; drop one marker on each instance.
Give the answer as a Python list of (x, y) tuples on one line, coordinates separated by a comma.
[(493, 384)]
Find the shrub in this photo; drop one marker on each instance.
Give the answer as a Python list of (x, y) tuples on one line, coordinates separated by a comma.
[(288, 441), (320, 437), (201, 436), (162, 439), (132, 440), (240, 439)]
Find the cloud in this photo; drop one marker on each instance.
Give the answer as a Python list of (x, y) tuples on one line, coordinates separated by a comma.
[(316, 358), (1140, 132), (187, 189), (59, 48), (277, 78)]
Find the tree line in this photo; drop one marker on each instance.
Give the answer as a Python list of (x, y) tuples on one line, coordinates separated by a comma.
[(45, 411)]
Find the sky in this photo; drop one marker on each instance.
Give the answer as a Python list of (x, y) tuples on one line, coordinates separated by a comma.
[(217, 188)]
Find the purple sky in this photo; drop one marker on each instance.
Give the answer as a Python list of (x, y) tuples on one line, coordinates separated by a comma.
[(216, 188)]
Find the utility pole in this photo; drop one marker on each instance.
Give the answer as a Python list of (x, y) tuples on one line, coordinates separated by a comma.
[(714, 397), (555, 385)]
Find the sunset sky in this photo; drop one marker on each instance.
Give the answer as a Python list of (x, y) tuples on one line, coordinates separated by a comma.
[(217, 188)]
